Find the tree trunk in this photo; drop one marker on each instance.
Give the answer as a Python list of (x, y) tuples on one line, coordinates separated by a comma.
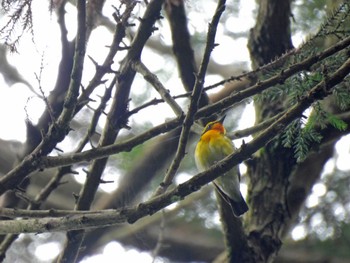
[(276, 188), (271, 167)]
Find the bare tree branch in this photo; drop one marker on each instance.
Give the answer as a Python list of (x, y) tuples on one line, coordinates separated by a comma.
[(155, 204), (115, 122), (278, 79), (163, 92), (194, 103)]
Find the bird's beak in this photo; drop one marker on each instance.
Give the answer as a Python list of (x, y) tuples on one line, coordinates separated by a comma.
[(221, 120)]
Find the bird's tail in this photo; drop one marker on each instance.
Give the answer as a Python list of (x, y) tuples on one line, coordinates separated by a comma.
[(238, 207)]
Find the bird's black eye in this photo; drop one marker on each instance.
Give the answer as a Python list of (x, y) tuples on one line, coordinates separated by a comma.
[(208, 127)]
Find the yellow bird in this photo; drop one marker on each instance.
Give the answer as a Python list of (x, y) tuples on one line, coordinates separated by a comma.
[(212, 147)]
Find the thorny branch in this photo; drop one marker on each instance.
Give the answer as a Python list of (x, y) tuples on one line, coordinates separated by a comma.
[(105, 68), (278, 79), (100, 152), (196, 94), (115, 122), (153, 205), (47, 162), (57, 133), (55, 180), (105, 151), (159, 87), (59, 128)]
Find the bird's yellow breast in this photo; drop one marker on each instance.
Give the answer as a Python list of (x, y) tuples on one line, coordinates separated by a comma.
[(211, 135), (212, 147)]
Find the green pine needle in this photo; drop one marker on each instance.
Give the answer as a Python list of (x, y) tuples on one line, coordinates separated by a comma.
[(337, 123)]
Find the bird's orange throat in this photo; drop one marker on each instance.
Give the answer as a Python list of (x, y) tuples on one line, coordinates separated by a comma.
[(211, 134), (212, 130), (218, 127)]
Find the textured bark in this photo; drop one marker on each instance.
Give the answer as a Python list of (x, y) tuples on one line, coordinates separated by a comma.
[(278, 186), (237, 249), (270, 169), (271, 36)]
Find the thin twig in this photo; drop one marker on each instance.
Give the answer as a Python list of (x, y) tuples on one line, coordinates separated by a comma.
[(97, 113), (163, 92), (59, 129), (261, 85), (254, 129), (101, 71), (30, 164), (115, 121), (46, 162), (196, 93), (160, 240), (25, 213), (231, 100), (126, 231), (153, 205), (101, 152)]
